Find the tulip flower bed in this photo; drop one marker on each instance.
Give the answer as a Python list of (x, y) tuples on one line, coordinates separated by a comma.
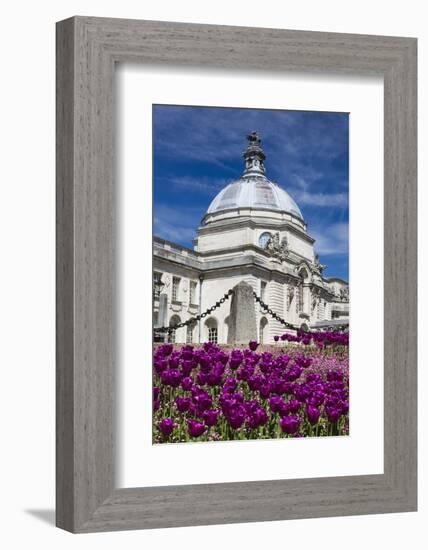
[(209, 393)]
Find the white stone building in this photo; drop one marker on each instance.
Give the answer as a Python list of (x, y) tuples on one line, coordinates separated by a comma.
[(252, 231)]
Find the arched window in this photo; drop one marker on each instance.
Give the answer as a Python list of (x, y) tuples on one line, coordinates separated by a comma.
[(212, 330), (264, 238), (189, 332), (173, 322), (303, 274), (263, 330)]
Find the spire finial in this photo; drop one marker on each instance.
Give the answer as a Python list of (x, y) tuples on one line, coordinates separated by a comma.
[(254, 156)]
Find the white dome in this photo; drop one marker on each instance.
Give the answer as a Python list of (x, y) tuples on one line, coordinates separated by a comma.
[(253, 189), (254, 192)]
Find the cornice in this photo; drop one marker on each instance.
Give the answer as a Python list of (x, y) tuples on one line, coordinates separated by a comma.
[(245, 222)]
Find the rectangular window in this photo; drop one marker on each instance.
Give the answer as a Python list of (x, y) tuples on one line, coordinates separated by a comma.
[(192, 292), (263, 285), (175, 288), (156, 280), (189, 333)]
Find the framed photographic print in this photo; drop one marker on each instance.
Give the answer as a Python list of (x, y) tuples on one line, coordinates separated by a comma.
[(236, 274)]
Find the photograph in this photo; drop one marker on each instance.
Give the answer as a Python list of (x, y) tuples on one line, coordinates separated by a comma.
[(250, 326), (211, 258)]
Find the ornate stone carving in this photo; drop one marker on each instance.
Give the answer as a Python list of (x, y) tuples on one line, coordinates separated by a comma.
[(344, 294), (290, 295), (318, 267), (276, 248), (299, 297), (314, 302)]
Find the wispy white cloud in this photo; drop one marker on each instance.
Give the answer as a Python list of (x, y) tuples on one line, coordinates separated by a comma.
[(331, 239), (216, 134), (200, 184), (306, 198), (176, 224)]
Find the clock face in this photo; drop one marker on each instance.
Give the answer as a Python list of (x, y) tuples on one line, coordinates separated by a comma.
[(263, 239)]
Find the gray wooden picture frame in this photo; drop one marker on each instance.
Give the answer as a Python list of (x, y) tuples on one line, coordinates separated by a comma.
[(87, 50)]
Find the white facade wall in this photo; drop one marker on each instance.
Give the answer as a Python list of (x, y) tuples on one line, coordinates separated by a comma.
[(276, 296), (180, 309), (224, 239), (301, 246), (233, 252)]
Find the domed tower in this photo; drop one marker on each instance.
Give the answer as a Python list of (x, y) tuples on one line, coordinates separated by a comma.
[(253, 211)]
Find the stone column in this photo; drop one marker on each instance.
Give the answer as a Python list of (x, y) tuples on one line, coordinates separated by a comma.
[(242, 319), (163, 310)]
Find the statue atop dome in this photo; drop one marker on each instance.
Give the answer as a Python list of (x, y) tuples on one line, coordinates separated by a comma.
[(254, 156), (253, 138), (253, 189)]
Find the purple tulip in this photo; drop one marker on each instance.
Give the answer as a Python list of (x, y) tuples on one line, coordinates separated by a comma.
[(167, 426), (160, 364), (265, 390), (236, 416), (156, 405), (201, 378), (317, 399), (234, 363), (165, 349), (290, 424), (293, 406), (203, 401), (313, 414), (187, 383), (276, 403), (182, 403), (187, 367), (230, 385), (210, 417), (257, 418), (313, 377), (333, 413), (171, 377), (253, 345), (303, 361), (195, 428), (302, 391), (174, 360), (187, 353), (294, 373), (276, 338)]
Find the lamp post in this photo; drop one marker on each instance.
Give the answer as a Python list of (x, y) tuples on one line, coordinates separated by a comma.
[(158, 286)]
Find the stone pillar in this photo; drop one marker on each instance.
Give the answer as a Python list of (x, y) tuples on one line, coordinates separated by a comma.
[(242, 319), (163, 310)]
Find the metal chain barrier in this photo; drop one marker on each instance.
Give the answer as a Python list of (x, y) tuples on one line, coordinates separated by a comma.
[(274, 315), (265, 308), (194, 320)]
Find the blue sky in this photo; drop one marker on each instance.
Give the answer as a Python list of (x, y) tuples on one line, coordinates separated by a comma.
[(198, 150)]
